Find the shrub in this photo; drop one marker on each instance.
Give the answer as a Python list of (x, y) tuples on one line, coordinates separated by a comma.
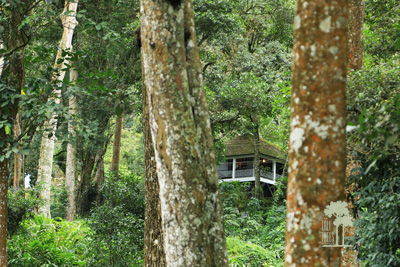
[(43, 241), (118, 224), (242, 253), (20, 207)]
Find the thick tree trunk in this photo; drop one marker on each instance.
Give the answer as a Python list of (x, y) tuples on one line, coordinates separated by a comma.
[(99, 176), (355, 25), (68, 18), (189, 190), (317, 151), (70, 173), (117, 145), (154, 255), (14, 75), (82, 197)]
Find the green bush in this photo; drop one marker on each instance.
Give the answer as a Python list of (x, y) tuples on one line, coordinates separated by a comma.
[(375, 109), (20, 206), (242, 253), (43, 241), (118, 224)]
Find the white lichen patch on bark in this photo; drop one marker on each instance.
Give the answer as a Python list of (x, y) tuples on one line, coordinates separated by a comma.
[(325, 25)]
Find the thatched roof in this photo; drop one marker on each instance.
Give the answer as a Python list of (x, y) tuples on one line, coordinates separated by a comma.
[(244, 145)]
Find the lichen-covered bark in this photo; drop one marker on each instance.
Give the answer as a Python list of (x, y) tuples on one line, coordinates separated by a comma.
[(3, 206), (154, 255), (355, 27), (116, 145), (70, 173), (317, 151), (189, 192), (68, 18)]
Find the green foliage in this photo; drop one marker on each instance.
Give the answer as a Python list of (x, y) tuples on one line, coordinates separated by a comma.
[(118, 224), (257, 223), (242, 253), (20, 205), (47, 242), (58, 201), (376, 101)]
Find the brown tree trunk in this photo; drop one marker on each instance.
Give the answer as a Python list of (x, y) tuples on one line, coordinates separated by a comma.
[(14, 75), (99, 176), (154, 255), (82, 196), (191, 210), (70, 173), (68, 18), (117, 145), (256, 134), (17, 157), (355, 25), (317, 151), (3, 203)]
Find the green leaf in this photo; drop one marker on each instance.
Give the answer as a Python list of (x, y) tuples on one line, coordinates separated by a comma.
[(7, 129)]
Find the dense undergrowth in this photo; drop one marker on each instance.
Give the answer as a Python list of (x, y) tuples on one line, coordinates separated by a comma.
[(112, 234)]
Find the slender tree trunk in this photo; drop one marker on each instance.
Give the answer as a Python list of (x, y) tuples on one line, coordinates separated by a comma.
[(99, 176), (355, 25), (116, 145), (257, 186), (191, 210), (70, 173), (1, 57), (154, 254), (17, 156), (317, 151), (68, 18)]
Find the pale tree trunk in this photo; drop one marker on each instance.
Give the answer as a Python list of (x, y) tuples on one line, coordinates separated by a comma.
[(154, 255), (70, 173), (50, 126), (99, 176), (256, 134), (355, 25), (191, 209), (317, 150), (17, 157), (116, 145)]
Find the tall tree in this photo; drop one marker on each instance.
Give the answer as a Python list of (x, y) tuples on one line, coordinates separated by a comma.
[(68, 18), (355, 24), (154, 254), (13, 74), (317, 150), (191, 210), (70, 171), (117, 145)]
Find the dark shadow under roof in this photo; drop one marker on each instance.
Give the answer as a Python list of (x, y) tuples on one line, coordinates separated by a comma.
[(244, 145)]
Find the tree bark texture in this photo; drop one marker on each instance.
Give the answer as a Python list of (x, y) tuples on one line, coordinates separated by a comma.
[(3, 203), (317, 150), (82, 196), (70, 173), (14, 75), (68, 18), (189, 191), (355, 25), (116, 145), (17, 157), (154, 255)]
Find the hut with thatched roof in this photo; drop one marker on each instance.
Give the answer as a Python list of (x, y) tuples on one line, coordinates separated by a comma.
[(239, 161)]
